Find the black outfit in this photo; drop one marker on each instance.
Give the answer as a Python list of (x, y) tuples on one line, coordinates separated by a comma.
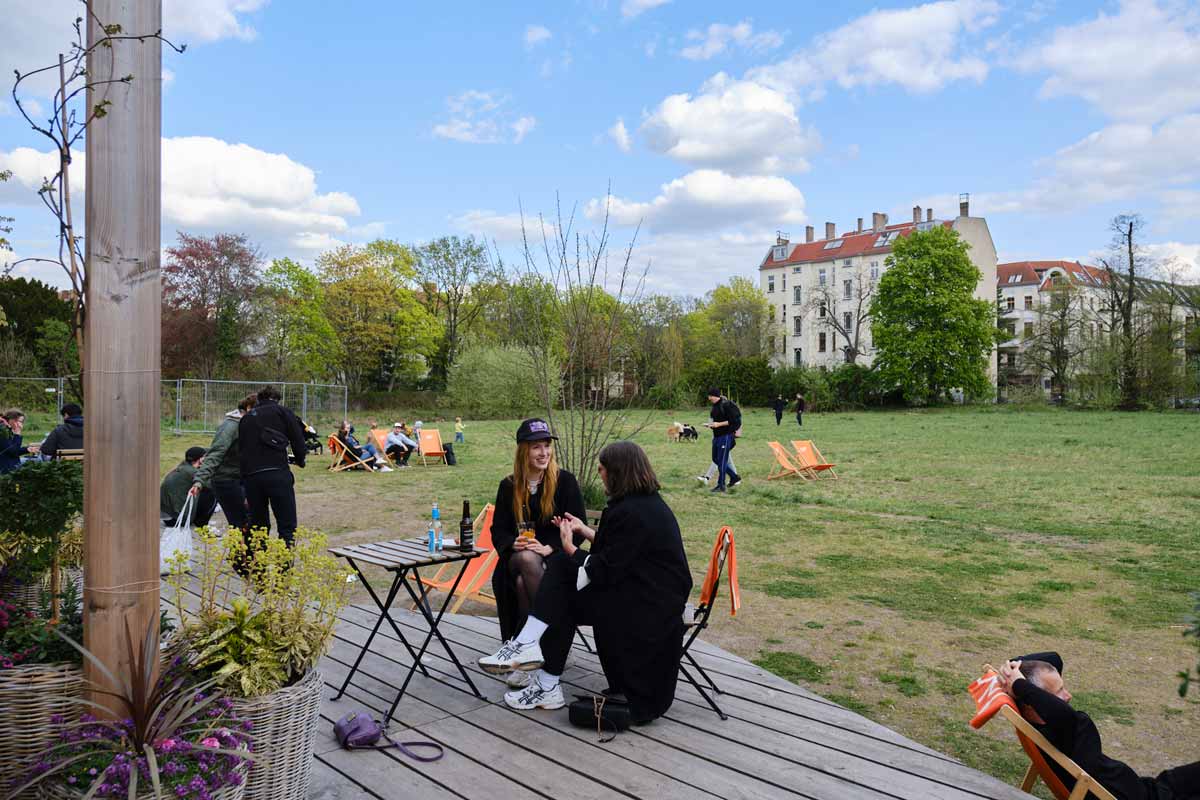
[(724, 410), (68, 436), (800, 411), (1074, 733), (264, 434), (779, 405), (568, 498), (400, 453), (640, 582), (351, 444)]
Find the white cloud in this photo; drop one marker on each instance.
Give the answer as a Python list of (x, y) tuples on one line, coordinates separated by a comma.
[(535, 35), (650, 47), (187, 21), (494, 226), (719, 38), (920, 49), (735, 125), (1178, 260), (480, 118), (708, 200), (1139, 64), (633, 8), (696, 262), (619, 134)]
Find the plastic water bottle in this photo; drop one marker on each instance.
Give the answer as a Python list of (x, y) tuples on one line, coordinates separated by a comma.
[(437, 528), (432, 535)]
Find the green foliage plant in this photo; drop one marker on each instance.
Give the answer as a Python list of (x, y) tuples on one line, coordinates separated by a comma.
[(492, 382), (27, 636), (258, 635)]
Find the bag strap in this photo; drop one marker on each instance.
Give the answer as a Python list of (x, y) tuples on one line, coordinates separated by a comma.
[(598, 701), (407, 748), (183, 521)]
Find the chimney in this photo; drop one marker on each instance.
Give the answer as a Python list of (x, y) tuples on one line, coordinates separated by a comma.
[(964, 205), (808, 233), (929, 215), (860, 224), (916, 215), (830, 230), (878, 221)]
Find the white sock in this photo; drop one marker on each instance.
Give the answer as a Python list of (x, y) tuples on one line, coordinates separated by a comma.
[(532, 632), (546, 680)]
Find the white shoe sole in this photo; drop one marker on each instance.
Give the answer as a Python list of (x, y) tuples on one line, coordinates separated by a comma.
[(504, 669), (546, 706)]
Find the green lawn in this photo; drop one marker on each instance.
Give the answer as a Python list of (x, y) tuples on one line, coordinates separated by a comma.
[(954, 537)]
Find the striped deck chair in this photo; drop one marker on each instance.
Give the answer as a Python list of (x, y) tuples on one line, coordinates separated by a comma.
[(810, 459), (990, 699), (478, 575), (430, 445), (783, 466), (343, 459)]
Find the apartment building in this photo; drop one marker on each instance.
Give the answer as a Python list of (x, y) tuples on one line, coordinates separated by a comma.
[(820, 290)]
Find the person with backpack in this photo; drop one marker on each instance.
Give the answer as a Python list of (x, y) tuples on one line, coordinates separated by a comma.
[(726, 421), (264, 434), (221, 470)]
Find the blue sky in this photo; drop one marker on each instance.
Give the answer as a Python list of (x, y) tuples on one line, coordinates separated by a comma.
[(715, 123)]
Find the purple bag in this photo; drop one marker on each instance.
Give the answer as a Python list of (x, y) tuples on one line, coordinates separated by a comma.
[(357, 731)]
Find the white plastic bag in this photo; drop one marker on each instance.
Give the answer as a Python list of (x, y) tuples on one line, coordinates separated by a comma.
[(177, 538)]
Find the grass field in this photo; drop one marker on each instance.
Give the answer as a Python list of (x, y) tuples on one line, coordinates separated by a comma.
[(954, 537)]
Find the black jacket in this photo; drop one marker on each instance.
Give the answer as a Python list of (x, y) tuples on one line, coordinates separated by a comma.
[(68, 436), (779, 405), (725, 410), (1074, 733), (264, 434), (567, 498), (640, 583)]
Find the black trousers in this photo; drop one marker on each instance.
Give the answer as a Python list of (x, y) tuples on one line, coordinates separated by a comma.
[(273, 490), (232, 497), (778, 417), (563, 609), (203, 507), (800, 418), (400, 453), (1180, 783)]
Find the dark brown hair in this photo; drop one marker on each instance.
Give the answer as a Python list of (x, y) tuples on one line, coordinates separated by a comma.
[(248, 402), (12, 413), (629, 470)]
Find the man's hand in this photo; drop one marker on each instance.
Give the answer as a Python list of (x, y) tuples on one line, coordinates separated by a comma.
[(195, 490), (1010, 673)]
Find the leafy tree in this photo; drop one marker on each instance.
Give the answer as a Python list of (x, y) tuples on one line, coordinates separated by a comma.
[(27, 303), (1127, 263), (739, 314), (58, 349), (456, 286), (658, 344), (493, 381), (300, 341), (1058, 340), (931, 333)]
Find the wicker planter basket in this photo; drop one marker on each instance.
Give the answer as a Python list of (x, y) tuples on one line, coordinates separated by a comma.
[(29, 696), (28, 595), (57, 790), (284, 733)]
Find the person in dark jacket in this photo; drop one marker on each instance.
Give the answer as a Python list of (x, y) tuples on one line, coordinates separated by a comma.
[(264, 434), (176, 487), (1035, 682), (68, 435), (631, 587), (779, 405), (12, 446), (726, 420), (800, 407), (536, 492), (221, 471)]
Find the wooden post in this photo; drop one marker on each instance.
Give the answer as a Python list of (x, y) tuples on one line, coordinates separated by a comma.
[(123, 335)]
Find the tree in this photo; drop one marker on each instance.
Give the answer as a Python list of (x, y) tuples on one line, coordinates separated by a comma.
[(26, 304), (300, 341), (1125, 265), (456, 284), (829, 306), (5, 227), (209, 283), (741, 318), (1058, 340), (56, 347), (931, 333)]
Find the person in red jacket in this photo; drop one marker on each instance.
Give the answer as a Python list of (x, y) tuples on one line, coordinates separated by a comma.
[(1035, 682)]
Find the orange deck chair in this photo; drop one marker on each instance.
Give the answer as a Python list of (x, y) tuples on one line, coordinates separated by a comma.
[(990, 699), (379, 439), (478, 574), (810, 459), (783, 465), (343, 459), (723, 552), (430, 442)]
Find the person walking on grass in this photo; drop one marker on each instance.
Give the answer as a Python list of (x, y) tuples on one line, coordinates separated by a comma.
[(779, 405), (726, 420), (800, 406)]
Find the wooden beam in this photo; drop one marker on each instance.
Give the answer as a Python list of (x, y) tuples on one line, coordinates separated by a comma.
[(121, 383)]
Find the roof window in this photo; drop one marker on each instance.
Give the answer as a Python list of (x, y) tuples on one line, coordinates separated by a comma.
[(833, 245)]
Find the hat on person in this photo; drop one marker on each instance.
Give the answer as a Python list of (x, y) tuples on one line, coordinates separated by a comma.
[(194, 453), (398, 425), (534, 430), (713, 391)]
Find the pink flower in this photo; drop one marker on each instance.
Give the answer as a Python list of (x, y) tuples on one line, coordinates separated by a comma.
[(210, 742)]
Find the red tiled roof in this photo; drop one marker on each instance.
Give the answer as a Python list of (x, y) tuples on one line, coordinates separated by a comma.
[(1027, 275), (853, 244)]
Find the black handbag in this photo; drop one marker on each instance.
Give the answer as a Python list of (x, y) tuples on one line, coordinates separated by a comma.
[(601, 713)]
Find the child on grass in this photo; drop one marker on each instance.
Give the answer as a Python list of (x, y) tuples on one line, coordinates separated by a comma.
[(459, 431)]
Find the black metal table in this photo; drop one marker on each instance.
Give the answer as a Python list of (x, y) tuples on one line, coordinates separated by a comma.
[(402, 557)]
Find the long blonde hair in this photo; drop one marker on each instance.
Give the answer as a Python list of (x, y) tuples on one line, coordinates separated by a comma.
[(520, 479)]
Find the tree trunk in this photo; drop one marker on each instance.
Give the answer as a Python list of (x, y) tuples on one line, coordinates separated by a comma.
[(121, 383)]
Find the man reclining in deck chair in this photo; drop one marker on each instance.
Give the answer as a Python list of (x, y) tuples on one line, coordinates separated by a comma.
[(1035, 682)]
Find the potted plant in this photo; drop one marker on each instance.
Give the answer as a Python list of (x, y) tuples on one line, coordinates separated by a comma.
[(260, 639), (40, 677), (38, 503), (174, 738)]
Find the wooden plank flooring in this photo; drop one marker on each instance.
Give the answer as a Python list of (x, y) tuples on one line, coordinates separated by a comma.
[(781, 741)]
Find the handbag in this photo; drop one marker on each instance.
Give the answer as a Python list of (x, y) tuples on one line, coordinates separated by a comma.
[(176, 538), (601, 713), (358, 731)]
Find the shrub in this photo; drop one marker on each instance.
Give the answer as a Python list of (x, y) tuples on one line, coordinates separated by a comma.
[(493, 382), (809, 381), (747, 380)]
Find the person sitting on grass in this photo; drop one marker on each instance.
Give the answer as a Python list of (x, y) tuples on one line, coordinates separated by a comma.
[(12, 447), (632, 588), (1035, 682), (177, 485), (68, 435), (399, 446), (364, 453)]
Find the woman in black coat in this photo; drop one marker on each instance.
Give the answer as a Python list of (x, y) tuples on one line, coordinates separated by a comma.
[(536, 492)]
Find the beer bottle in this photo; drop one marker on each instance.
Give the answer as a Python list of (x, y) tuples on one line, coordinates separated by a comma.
[(466, 528)]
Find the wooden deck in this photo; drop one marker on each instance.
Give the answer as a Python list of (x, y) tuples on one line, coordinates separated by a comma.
[(780, 741)]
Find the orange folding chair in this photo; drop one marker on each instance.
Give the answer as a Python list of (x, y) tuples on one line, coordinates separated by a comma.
[(478, 574), (723, 551), (430, 443), (379, 439), (811, 460), (783, 465), (990, 699), (343, 459)]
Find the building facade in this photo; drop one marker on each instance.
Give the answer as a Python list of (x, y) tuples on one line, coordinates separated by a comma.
[(820, 290)]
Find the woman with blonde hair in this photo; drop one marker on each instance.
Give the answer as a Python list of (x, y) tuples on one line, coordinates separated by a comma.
[(524, 531)]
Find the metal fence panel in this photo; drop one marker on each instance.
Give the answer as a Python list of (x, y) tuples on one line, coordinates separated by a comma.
[(37, 395), (198, 406)]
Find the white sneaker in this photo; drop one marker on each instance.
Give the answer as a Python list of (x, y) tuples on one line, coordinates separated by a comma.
[(535, 697), (513, 655), (702, 479), (518, 679), (385, 468)]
